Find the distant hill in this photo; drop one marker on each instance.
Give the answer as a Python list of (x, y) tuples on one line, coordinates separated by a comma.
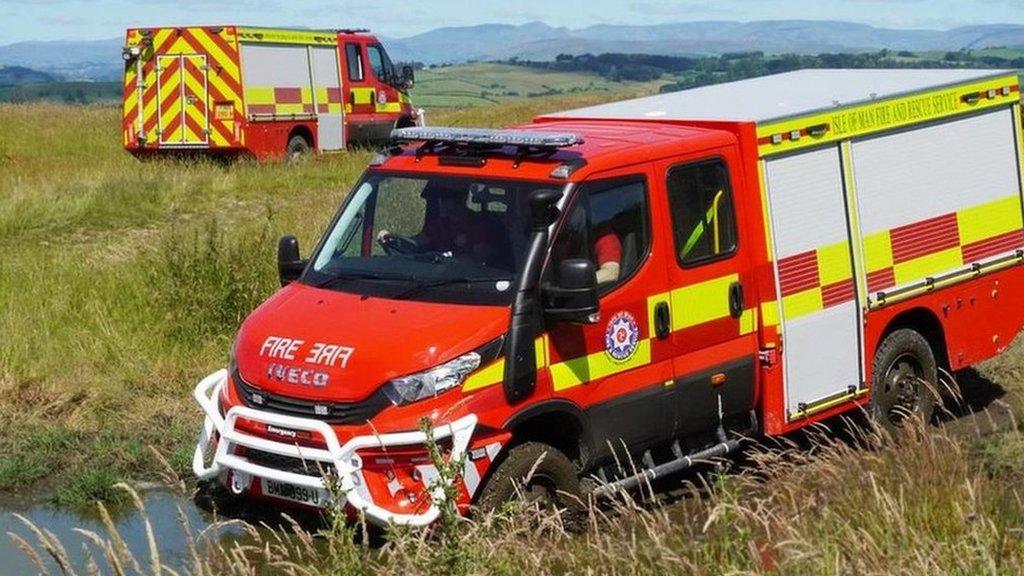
[(538, 41), (96, 60), (99, 60), (18, 75)]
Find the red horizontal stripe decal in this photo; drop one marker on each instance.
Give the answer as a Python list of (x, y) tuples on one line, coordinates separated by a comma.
[(288, 95), (925, 237), (881, 280), (334, 95), (321, 108), (798, 273), (262, 109), (994, 246), (838, 293)]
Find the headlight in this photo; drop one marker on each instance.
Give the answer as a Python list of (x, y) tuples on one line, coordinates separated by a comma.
[(428, 384)]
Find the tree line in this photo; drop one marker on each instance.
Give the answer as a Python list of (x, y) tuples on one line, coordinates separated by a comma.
[(693, 71)]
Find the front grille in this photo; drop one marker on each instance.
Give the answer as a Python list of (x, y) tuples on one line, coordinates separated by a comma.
[(330, 412), (289, 464)]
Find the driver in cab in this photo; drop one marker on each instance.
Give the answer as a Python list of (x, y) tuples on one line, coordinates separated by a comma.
[(450, 228)]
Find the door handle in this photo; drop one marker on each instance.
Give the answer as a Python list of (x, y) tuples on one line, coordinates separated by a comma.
[(662, 320), (736, 303)]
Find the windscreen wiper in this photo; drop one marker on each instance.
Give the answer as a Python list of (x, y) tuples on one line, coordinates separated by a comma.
[(424, 285), (351, 276)]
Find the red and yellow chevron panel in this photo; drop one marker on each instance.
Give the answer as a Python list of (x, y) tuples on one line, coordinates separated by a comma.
[(201, 63), (916, 251)]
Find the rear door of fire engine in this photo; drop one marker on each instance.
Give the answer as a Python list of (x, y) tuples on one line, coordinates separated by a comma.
[(609, 368), (707, 316)]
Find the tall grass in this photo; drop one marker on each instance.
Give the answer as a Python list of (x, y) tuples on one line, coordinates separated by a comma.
[(871, 504)]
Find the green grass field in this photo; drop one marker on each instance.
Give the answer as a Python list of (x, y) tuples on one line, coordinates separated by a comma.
[(122, 283), (490, 83)]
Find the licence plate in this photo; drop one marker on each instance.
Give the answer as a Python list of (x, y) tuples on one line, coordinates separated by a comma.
[(292, 493)]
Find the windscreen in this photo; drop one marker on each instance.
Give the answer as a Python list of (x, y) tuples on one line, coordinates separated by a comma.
[(428, 237)]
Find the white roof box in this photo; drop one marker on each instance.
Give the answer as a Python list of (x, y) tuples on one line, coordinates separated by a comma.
[(781, 96)]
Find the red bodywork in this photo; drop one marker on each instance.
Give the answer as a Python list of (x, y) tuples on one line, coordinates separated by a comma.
[(979, 318)]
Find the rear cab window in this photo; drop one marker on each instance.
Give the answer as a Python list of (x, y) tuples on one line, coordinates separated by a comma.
[(354, 59), (703, 216)]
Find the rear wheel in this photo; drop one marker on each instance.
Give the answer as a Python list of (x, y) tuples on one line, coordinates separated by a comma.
[(905, 380), (537, 474), (297, 147)]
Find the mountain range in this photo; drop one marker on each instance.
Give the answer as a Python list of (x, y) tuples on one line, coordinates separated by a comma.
[(100, 59)]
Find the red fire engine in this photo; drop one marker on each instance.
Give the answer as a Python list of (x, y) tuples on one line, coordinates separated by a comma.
[(650, 279), (268, 92)]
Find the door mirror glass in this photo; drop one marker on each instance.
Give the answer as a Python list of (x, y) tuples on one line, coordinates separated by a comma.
[(573, 297), (408, 78), (289, 264)]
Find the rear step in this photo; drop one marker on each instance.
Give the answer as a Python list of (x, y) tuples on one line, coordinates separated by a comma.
[(680, 463)]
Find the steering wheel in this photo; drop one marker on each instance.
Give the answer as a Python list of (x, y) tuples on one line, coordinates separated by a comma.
[(395, 244)]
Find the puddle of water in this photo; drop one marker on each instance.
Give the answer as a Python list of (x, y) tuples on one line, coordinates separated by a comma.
[(162, 508)]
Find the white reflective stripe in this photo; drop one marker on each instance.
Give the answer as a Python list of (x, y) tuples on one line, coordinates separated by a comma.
[(470, 476), (492, 450), (343, 457)]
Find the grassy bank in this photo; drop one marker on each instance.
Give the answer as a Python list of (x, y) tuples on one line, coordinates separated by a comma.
[(926, 502), (122, 283)]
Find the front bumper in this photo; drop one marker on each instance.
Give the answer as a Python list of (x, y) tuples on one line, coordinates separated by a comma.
[(343, 458)]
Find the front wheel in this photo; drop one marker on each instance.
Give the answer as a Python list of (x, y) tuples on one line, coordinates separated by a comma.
[(534, 473), (905, 380)]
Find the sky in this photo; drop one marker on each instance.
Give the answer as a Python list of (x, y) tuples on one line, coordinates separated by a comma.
[(101, 19)]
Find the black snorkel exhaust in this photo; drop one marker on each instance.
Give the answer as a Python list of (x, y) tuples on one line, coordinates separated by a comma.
[(520, 378)]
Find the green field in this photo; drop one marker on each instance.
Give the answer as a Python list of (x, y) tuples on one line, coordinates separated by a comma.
[(122, 284), (491, 83), (447, 87)]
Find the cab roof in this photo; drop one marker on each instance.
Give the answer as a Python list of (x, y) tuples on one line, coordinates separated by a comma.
[(606, 145)]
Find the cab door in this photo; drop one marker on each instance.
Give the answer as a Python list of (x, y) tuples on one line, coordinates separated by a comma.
[(611, 369), (357, 85), (708, 314)]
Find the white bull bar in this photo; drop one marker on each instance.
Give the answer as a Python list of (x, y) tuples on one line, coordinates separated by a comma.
[(343, 457)]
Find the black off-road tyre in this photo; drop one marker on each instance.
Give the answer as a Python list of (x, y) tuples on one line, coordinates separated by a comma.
[(297, 148), (905, 381), (535, 472)]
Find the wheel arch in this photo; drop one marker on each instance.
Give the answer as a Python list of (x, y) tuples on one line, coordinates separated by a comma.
[(926, 323), (306, 134), (558, 423)]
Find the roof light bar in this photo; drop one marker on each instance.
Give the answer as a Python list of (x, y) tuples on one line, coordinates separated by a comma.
[(487, 137)]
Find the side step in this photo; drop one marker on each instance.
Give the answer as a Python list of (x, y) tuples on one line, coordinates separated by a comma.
[(680, 463)]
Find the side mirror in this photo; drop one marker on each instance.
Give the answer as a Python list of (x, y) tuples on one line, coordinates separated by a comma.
[(289, 265), (408, 79), (574, 298)]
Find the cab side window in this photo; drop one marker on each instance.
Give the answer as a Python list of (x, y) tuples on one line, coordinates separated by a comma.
[(354, 57), (703, 219), (607, 224)]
